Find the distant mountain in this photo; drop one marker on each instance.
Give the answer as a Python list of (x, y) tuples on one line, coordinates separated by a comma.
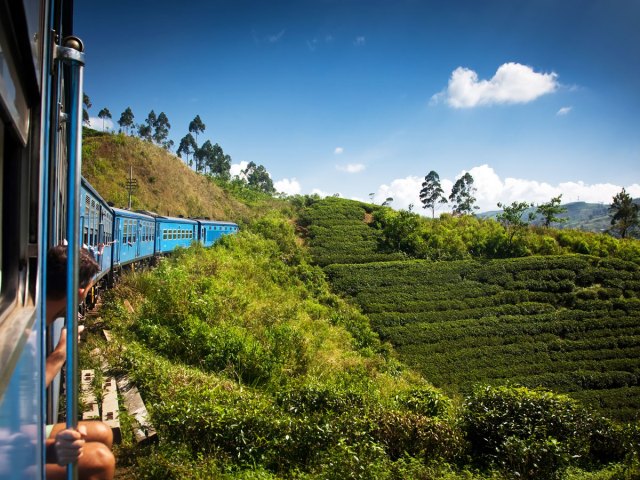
[(591, 217)]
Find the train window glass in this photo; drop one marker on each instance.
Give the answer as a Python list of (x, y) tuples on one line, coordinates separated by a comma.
[(33, 13), (1, 196), (11, 89)]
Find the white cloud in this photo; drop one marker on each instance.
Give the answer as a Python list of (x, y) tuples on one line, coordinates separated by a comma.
[(360, 41), (321, 193), (290, 187), (338, 150), (236, 168), (512, 83), (351, 168), (564, 111), (404, 191), (96, 123), (491, 189)]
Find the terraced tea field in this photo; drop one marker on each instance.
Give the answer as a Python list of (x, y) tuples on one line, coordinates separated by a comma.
[(569, 323)]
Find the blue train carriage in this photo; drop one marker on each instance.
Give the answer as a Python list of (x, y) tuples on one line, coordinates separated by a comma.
[(209, 231), (96, 227), (134, 237), (172, 232)]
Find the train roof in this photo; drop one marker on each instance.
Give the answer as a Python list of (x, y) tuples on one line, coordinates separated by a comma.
[(128, 213), (85, 184), (161, 218), (215, 222)]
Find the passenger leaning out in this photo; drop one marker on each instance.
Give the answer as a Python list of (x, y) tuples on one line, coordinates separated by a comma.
[(89, 446)]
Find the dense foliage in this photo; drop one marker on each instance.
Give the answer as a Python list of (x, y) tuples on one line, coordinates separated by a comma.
[(459, 237), (251, 368)]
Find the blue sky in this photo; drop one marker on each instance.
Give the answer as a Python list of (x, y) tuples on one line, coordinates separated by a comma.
[(534, 98)]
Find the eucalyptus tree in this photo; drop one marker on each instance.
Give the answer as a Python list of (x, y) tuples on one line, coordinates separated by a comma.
[(126, 120), (196, 126), (104, 113), (187, 147), (432, 192), (220, 165), (258, 178), (161, 129), (462, 196), (86, 105)]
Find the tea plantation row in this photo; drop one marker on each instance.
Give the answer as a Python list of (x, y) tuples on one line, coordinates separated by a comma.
[(570, 323), (339, 232)]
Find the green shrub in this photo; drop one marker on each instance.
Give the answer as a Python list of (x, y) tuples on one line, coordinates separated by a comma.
[(536, 434)]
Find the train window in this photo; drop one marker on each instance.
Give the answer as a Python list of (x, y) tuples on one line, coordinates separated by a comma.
[(134, 231), (11, 91), (1, 197)]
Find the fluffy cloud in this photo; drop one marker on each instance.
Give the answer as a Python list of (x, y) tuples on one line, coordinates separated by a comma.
[(351, 167), (338, 150), (290, 187), (491, 189), (236, 168), (564, 111), (512, 83), (95, 122)]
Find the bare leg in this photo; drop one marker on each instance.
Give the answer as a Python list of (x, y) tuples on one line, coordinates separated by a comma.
[(96, 463), (96, 432)]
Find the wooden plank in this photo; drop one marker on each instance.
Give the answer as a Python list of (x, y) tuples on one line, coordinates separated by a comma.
[(142, 427), (110, 408), (87, 396)]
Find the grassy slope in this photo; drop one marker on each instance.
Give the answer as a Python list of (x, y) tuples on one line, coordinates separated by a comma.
[(166, 185)]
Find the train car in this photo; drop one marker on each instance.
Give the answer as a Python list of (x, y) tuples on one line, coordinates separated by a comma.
[(40, 134), (96, 227), (209, 231), (134, 237), (172, 232)]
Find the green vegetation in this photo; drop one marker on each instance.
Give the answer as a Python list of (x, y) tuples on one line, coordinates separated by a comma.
[(251, 368), (570, 323), (340, 231)]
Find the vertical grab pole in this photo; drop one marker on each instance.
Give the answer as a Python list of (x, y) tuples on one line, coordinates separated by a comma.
[(71, 54)]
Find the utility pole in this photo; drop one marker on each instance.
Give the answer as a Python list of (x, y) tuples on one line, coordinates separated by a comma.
[(132, 184)]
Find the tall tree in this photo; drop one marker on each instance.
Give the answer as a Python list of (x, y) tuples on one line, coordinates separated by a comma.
[(86, 105), (204, 156), (549, 211), (151, 120), (144, 132), (462, 196), (104, 113), (624, 214), (258, 178), (220, 163), (161, 129), (126, 120), (196, 126), (187, 147), (432, 192)]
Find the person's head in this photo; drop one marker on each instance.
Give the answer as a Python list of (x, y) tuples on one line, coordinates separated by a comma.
[(57, 274)]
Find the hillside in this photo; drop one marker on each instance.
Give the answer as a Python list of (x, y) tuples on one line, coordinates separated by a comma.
[(166, 185), (590, 217), (252, 367), (569, 323)]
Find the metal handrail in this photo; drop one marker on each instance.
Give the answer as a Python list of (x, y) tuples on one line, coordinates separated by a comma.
[(71, 53)]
